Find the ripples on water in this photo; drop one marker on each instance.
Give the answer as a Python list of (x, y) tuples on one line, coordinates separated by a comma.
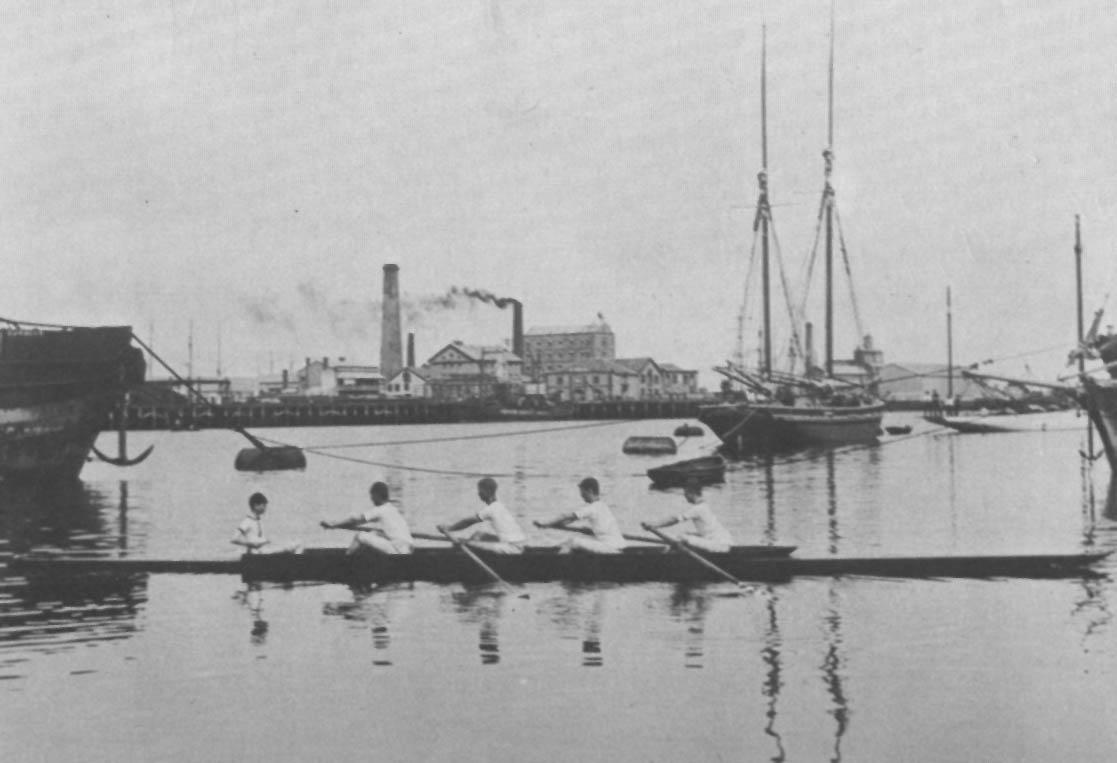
[(201, 667)]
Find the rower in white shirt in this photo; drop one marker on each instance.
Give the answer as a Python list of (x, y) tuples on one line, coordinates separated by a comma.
[(504, 535), (381, 528), (607, 537), (708, 533), (250, 532)]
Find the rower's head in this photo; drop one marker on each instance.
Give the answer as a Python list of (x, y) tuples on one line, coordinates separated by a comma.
[(379, 493), (693, 491), (590, 490), (257, 503), (486, 489)]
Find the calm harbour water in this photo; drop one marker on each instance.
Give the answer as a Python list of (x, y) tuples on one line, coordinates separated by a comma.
[(178, 667)]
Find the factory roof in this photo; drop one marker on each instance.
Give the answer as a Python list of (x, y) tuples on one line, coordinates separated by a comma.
[(589, 328)]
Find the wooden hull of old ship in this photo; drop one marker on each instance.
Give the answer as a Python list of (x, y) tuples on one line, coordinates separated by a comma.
[(1100, 399), (544, 564), (992, 423), (746, 428), (56, 390)]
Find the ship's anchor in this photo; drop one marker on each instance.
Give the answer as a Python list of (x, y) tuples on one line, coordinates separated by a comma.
[(122, 441)]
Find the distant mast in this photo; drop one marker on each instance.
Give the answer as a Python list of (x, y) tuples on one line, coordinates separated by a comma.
[(762, 210), (949, 347), (828, 202)]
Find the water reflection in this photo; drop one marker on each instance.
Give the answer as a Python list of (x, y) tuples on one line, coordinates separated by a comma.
[(484, 607), (45, 613), (376, 607), (770, 535), (831, 504), (252, 597), (773, 682), (690, 606), (832, 665), (64, 516), (577, 610)]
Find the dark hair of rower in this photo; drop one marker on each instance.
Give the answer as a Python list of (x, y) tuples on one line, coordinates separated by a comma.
[(379, 490)]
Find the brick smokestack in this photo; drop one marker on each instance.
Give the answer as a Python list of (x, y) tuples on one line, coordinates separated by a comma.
[(391, 349), (410, 349), (518, 329)]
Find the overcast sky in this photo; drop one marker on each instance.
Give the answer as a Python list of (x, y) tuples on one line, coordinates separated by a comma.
[(251, 167)]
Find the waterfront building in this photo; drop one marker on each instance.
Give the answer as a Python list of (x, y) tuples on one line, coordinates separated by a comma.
[(679, 383), (649, 381), (592, 380), (407, 383), (274, 386), (320, 378), (460, 371), (551, 348)]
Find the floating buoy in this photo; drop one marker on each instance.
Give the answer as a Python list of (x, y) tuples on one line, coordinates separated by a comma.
[(270, 459), (689, 430), (654, 446)]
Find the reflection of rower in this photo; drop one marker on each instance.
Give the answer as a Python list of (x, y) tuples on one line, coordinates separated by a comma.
[(691, 607), (481, 607), (252, 597)]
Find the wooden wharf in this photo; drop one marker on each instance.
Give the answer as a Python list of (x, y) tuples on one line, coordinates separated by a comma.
[(331, 412)]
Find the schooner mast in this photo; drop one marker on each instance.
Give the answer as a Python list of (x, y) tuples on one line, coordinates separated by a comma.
[(763, 211), (828, 219), (828, 205)]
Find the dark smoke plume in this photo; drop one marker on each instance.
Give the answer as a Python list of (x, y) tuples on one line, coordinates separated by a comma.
[(484, 296)]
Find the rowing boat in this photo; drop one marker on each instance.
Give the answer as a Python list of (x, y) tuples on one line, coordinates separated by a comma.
[(705, 469), (545, 564)]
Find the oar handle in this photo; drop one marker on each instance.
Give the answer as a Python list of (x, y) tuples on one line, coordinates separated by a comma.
[(682, 547), (470, 553)]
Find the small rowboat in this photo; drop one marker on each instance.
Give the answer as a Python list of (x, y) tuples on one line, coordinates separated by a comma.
[(707, 470), (636, 564)]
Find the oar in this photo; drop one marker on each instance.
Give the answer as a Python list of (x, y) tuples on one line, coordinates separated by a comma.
[(428, 536), (682, 547), (637, 538), (480, 563)]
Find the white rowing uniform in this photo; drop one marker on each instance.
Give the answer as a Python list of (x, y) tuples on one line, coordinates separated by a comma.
[(506, 538), (251, 531), (709, 533), (390, 533), (607, 537)]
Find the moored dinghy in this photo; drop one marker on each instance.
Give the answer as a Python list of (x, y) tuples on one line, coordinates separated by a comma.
[(706, 469)]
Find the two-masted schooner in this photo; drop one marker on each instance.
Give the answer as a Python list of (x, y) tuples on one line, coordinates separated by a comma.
[(782, 410)]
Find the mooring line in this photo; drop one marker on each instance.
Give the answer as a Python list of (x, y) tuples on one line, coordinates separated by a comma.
[(456, 438)]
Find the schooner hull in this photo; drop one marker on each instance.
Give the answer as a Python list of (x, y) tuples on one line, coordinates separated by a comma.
[(745, 428), (1100, 398)]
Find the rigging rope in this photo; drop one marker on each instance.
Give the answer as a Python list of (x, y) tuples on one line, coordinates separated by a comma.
[(809, 277), (849, 274), (745, 299), (787, 295)]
